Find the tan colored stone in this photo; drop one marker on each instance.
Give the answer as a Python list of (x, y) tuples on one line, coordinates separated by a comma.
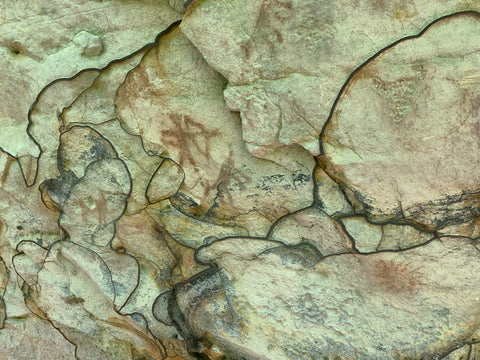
[(176, 350), (95, 202), (329, 196), (165, 182), (44, 124), (286, 60), (178, 5), (366, 236), (77, 293), (179, 226), (89, 44), (40, 44), (403, 135), (138, 235), (29, 261), (315, 227), (95, 105), (22, 213), (280, 303), (79, 147), (395, 237), (140, 165), (239, 248), (34, 339), (150, 203), (46, 128), (14, 299), (124, 271), (4, 274), (187, 266), (467, 352), (175, 103)]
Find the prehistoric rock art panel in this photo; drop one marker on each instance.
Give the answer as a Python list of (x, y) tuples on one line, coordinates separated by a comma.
[(267, 179), (286, 60), (386, 305), (175, 103), (425, 170)]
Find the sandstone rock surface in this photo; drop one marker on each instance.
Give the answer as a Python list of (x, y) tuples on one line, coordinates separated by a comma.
[(266, 179), (46, 40), (286, 60), (175, 104), (386, 305), (403, 134)]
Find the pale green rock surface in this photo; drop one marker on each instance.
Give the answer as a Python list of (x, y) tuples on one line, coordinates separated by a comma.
[(330, 197), (175, 103), (165, 182), (367, 236), (142, 219), (467, 352), (76, 276), (35, 339), (386, 305), (45, 40), (286, 60), (44, 123), (396, 237), (315, 227), (96, 104), (418, 100), (4, 274)]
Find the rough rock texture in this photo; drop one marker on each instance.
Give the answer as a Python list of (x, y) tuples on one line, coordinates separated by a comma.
[(313, 226), (175, 104), (286, 60), (33, 338), (3, 287), (387, 305), (419, 99), (266, 179), (68, 277), (46, 40)]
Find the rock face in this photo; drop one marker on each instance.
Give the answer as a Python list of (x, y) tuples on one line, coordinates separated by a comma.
[(175, 103), (387, 305), (418, 99), (48, 40), (266, 179), (286, 60)]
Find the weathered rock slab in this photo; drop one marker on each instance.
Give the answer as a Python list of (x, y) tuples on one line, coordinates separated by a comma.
[(287, 60), (404, 132), (387, 305), (174, 100)]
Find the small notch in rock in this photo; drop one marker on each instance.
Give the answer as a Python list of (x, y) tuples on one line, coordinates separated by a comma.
[(16, 48)]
